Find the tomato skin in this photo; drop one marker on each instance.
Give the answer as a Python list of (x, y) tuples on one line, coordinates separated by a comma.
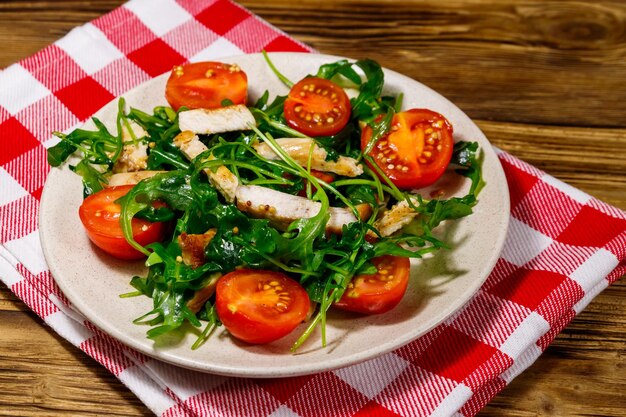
[(417, 151), (325, 104), (259, 306), (100, 216), (206, 85), (377, 293)]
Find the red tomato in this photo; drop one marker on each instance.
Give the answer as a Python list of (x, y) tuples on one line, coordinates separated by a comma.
[(317, 107), (206, 85), (259, 306), (416, 151), (380, 292), (101, 217), (320, 175)]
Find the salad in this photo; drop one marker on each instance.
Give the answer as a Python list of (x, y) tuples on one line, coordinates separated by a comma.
[(261, 216)]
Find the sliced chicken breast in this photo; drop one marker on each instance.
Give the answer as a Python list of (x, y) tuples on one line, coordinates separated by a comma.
[(208, 121), (395, 218), (130, 178), (300, 149), (225, 181), (281, 209)]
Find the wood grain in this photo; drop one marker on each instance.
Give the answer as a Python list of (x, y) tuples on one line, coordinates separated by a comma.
[(543, 79)]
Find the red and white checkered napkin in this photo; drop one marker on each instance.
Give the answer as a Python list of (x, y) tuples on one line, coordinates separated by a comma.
[(563, 247)]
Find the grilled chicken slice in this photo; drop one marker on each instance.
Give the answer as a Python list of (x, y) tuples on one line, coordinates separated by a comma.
[(192, 247), (300, 148), (281, 209), (130, 178), (395, 218), (201, 296), (134, 156), (225, 119), (222, 179)]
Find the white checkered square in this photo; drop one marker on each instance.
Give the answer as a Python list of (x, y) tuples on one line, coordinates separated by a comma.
[(525, 359), (8, 273), (525, 335), (372, 376), (71, 330), (27, 250), (218, 49), (89, 47), (453, 401), (19, 89), (523, 243), (153, 395), (574, 193), (597, 265), (590, 295), (11, 189), (160, 16)]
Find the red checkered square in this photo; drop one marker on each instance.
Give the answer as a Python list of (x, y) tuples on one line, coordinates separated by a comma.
[(313, 400), (190, 38), (501, 271), (124, 29), (251, 35), (46, 116), (490, 319), (560, 258), (15, 139), (222, 16), (547, 209), (490, 369), (564, 296), (194, 6), (284, 388), (166, 58), (416, 392), (283, 43), (519, 181), (231, 398), (30, 169), (413, 350), (18, 218), (102, 349), (591, 227), (109, 76), (455, 355), (85, 97), (54, 68), (528, 287), (482, 396), (373, 409), (34, 299)]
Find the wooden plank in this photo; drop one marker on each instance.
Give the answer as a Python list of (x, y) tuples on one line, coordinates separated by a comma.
[(41, 374)]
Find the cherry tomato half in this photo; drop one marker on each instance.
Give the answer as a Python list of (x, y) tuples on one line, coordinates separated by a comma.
[(380, 292), (317, 107), (416, 151), (206, 85), (259, 306), (100, 216)]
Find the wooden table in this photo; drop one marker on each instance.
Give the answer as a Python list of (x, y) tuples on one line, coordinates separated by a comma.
[(545, 80)]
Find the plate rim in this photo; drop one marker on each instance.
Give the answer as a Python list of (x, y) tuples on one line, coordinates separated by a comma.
[(226, 370)]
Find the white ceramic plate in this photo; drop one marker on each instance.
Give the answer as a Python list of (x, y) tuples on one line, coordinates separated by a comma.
[(439, 286)]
